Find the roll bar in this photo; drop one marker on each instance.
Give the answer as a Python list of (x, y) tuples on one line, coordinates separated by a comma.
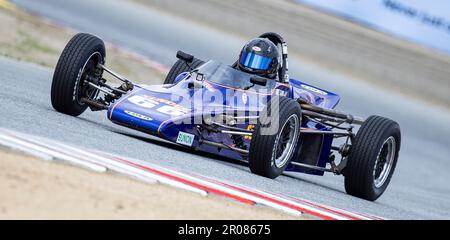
[(277, 39)]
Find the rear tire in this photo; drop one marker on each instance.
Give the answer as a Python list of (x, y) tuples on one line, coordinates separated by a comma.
[(270, 154), (180, 67), (372, 158), (66, 93)]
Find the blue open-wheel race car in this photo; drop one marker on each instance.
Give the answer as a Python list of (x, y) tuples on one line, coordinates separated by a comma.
[(271, 121)]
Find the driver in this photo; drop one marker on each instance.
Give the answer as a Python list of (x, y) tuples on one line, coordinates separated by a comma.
[(261, 57)]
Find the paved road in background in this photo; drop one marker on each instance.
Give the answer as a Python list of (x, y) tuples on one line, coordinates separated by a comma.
[(419, 188)]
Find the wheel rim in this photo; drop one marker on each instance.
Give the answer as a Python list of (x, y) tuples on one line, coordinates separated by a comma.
[(88, 70), (286, 141), (384, 162)]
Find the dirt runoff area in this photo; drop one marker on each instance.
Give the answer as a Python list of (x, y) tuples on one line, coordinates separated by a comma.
[(28, 38), (35, 189)]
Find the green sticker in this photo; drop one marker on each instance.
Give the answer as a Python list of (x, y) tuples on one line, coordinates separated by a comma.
[(185, 138)]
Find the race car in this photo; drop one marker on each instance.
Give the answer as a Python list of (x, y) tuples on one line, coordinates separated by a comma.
[(274, 124)]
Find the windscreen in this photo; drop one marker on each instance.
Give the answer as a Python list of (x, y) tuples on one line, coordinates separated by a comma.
[(225, 75)]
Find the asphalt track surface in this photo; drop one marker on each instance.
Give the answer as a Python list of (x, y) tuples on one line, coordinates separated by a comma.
[(419, 189)]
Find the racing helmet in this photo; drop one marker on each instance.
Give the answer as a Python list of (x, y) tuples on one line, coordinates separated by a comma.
[(260, 56)]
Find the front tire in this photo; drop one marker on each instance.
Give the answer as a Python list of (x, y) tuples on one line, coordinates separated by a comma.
[(80, 56), (372, 158), (274, 144), (180, 67)]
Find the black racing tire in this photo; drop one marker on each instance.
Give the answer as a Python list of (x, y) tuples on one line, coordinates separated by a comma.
[(264, 156), (372, 158), (67, 78), (180, 67)]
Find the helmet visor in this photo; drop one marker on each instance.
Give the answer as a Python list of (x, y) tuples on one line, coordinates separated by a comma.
[(254, 61)]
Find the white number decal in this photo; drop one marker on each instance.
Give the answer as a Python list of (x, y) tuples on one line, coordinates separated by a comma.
[(150, 103), (143, 102)]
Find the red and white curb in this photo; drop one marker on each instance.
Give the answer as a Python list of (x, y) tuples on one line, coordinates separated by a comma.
[(102, 162)]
